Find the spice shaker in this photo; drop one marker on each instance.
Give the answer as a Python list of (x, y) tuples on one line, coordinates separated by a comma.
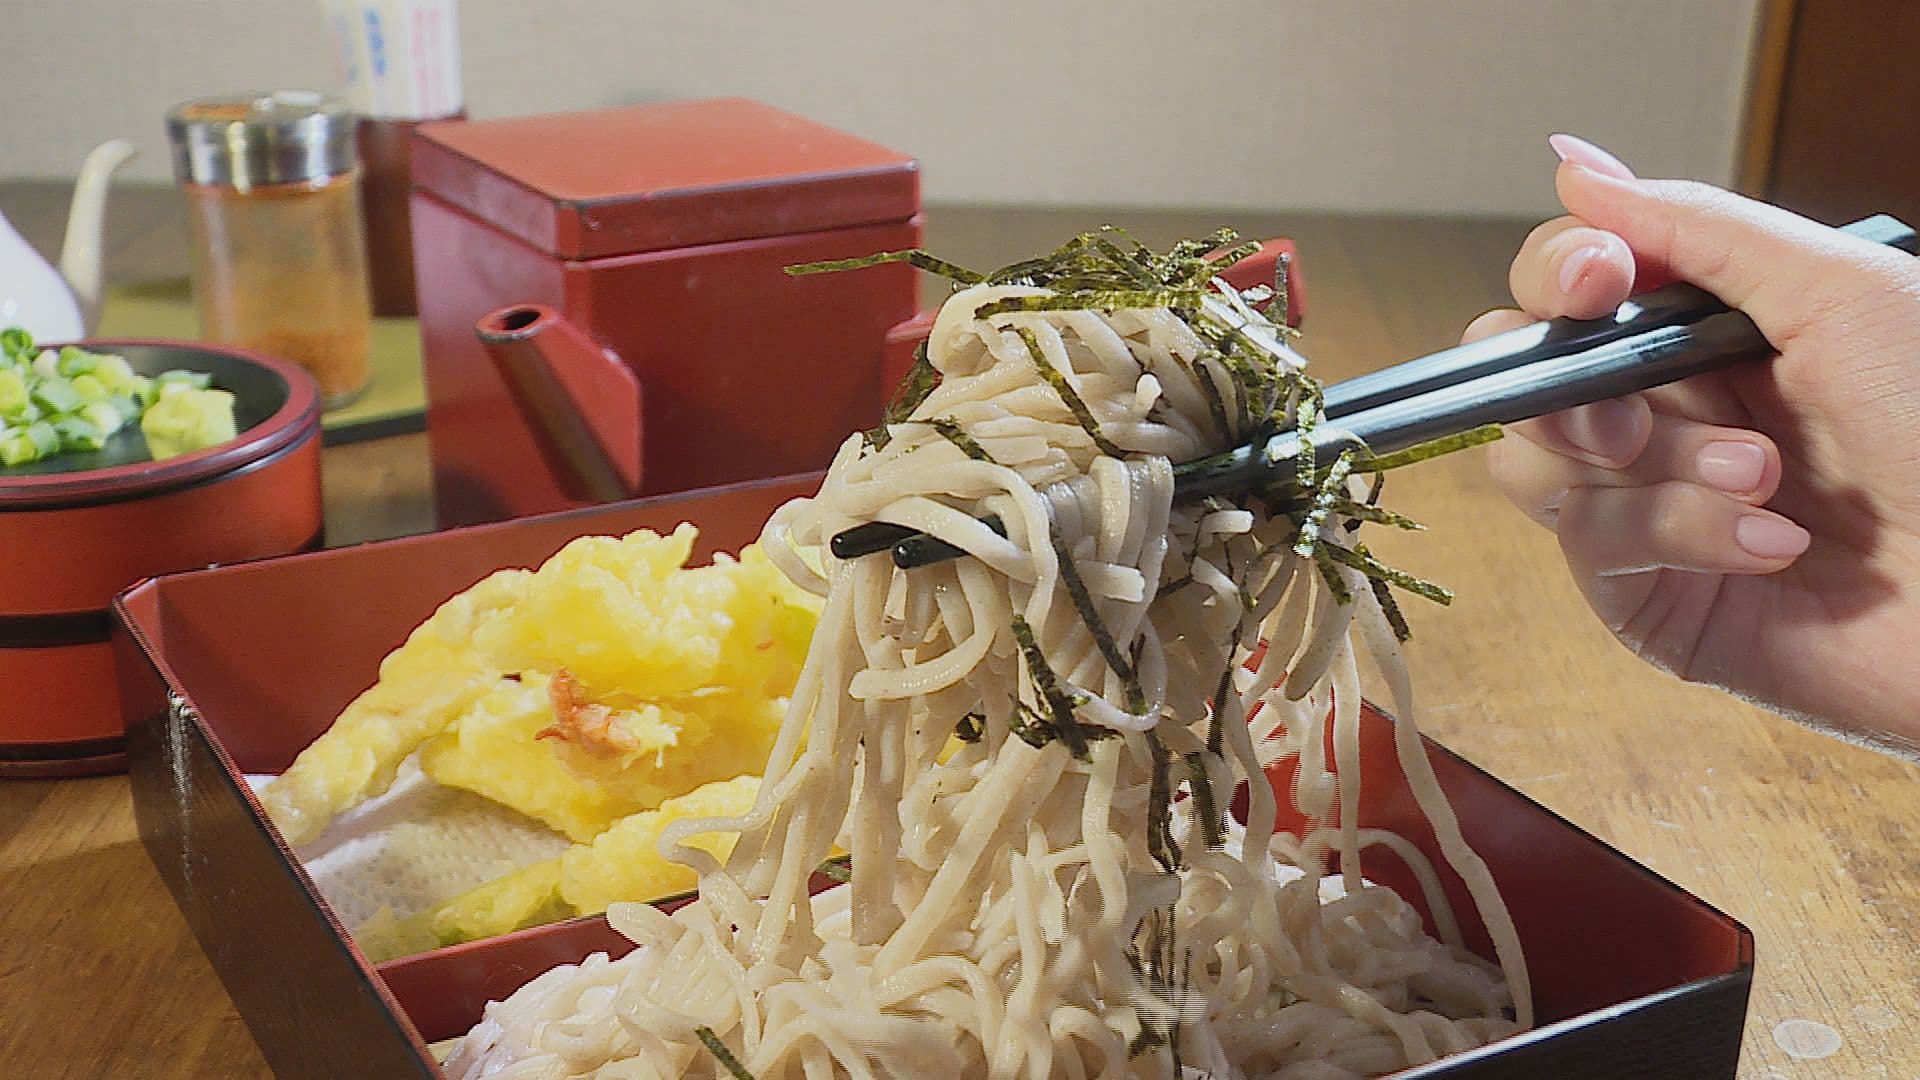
[(272, 183)]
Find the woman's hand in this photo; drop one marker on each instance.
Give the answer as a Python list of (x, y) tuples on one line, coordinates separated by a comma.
[(1756, 528)]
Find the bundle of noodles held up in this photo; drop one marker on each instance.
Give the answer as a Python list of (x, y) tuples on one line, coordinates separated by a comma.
[(1065, 896)]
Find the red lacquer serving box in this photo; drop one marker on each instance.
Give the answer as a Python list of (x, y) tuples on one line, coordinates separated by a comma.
[(604, 307), (233, 670)]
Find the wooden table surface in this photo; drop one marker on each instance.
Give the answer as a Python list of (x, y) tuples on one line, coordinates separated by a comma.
[(1813, 844)]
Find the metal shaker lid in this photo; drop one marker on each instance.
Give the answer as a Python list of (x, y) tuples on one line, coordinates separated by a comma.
[(249, 140)]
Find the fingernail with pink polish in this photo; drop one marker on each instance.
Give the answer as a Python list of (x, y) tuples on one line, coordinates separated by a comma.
[(1577, 151), (1765, 536), (1575, 266), (1732, 466)]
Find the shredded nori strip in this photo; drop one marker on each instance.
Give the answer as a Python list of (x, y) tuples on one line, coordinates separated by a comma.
[(971, 728), (951, 431), (1282, 269), (1378, 515), (1432, 448), (1160, 842), (1032, 728), (1027, 271), (1390, 607), (1173, 1025), (721, 1054), (920, 381), (1303, 463), (1156, 971), (1214, 731), (1064, 723), (1216, 407), (930, 263), (1234, 254), (1036, 730), (1058, 380), (1329, 573), (1206, 807), (1115, 300), (1109, 269), (1111, 260), (1195, 247), (1360, 560), (1361, 512), (1147, 1039), (1332, 488), (1102, 637)]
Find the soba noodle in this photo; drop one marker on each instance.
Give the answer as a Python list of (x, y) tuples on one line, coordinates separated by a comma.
[(1063, 895)]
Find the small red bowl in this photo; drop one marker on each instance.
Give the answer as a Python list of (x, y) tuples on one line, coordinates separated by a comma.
[(78, 529)]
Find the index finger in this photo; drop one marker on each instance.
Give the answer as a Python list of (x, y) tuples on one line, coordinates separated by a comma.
[(1567, 267)]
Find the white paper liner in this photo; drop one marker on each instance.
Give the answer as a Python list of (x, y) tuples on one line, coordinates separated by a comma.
[(418, 846)]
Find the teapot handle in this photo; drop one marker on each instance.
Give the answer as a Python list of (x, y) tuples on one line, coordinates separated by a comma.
[(80, 258)]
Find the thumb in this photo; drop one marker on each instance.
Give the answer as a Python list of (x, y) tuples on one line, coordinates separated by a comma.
[(1778, 267)]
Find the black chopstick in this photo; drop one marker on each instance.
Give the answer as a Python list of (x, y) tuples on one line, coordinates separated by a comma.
[(1678, 304), (1658, 337)]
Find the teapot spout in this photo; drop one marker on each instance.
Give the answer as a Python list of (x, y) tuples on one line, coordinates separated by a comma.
[(80, 257), (583, 403)]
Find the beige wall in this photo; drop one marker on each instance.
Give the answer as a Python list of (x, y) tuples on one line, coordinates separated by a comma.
[(1365, 105)]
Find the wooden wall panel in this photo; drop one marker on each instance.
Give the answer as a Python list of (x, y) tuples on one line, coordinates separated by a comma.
[(1846, 141)]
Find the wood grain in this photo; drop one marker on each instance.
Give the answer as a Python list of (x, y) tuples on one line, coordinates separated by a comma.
[(1808, 841)]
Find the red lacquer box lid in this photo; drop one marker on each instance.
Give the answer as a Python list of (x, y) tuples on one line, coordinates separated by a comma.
[(651, 177)]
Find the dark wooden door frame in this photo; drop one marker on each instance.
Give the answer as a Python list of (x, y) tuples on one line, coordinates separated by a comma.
[(1766, 80), (1831, 126)]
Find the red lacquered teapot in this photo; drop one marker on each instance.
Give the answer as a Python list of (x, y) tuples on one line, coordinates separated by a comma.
[(625, 268)]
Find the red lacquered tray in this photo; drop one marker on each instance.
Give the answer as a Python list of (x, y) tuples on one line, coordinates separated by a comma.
[(234, 670)]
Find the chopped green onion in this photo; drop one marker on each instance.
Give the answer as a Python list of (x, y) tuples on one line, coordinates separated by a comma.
[(104, 415), (79, 433), (198, 380), (16, 448), (13, 392), (90, 388), (75, 361), (115, 372), (31, 443), (55, 396), (72, 400), (16, 345)]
